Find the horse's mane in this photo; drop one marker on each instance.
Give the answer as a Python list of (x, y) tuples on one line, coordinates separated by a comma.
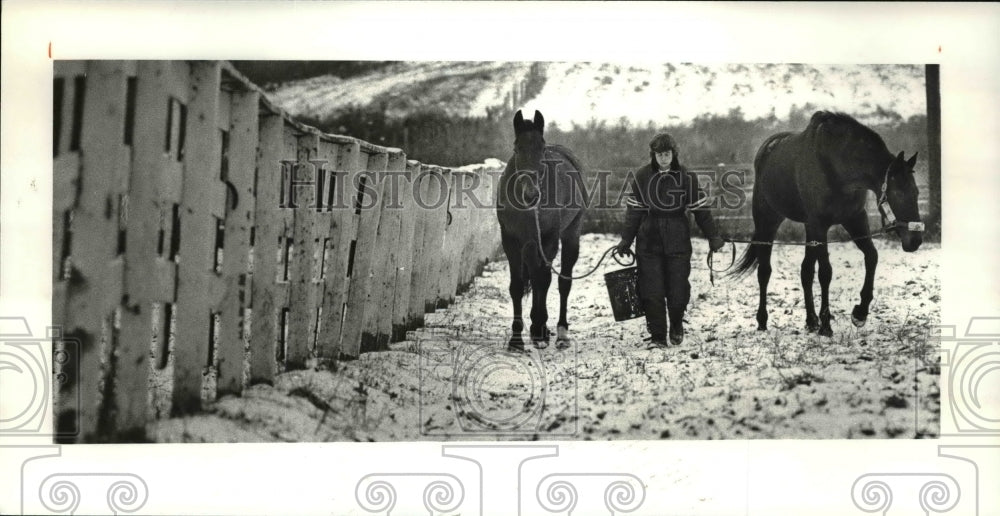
[(573, 159), (838, 117), (839, 126)]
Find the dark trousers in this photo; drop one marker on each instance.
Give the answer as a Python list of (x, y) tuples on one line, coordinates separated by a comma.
[(663, 283)]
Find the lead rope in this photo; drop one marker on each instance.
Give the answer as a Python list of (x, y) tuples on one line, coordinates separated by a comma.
[(538, 233), (888, 222), (812, 243), (614, 254)]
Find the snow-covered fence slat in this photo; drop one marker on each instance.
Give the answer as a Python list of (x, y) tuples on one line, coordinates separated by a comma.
[(176, 255)]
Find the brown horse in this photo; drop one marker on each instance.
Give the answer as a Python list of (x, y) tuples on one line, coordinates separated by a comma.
[(539, 206), (821, 177)]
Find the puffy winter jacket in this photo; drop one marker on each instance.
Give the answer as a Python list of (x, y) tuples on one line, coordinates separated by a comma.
[(656, 211)]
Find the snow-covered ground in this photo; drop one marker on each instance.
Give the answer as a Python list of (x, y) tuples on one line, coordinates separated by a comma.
[(454, 380)]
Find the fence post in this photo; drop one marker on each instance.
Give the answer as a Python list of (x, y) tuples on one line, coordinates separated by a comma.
[(91, 290), (470, 253), (406, 257), (359, 291), (106, 160), (378, 309), (421, 247), (325, 231), (203, 201), (481, 224), (153, 198), (269, 221), (70, 86), (454, 242), (241, 205), (437, 226), (348, 163), (301, 288), (492, 225), (932, 82)]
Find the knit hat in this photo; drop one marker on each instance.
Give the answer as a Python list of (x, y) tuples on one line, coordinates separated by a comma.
[(662, 142)]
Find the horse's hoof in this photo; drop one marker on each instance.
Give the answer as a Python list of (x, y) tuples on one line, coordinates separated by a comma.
[(858, 316), (826, 332), (542, 335), (515, 344), (562, 338), (761, 327)]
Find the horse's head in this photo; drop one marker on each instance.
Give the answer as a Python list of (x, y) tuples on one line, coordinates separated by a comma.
[(529, 149), (898, 202)]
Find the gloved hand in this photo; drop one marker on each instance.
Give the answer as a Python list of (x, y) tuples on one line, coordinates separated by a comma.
[(716, 243), (623, 248)]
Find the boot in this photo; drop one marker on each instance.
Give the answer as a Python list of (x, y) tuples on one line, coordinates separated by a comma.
[(657, 342), (656, 324), (676, 325)]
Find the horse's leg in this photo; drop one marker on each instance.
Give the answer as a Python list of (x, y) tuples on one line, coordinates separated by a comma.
[(512, 248), (825, 275), (857, 227), (766, 223), (541, 279), (815, 232), (570, 252)]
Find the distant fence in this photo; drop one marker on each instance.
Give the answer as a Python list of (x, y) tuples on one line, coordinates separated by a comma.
[(174, 241), (731, 186)]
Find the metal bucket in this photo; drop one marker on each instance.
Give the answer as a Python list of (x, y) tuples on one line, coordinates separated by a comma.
[(623, 290)]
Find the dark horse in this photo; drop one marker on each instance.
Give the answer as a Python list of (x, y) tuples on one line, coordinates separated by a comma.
[(822, 176), (539, 206)]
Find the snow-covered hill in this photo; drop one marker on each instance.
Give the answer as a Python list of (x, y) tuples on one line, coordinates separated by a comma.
[(579, 92)]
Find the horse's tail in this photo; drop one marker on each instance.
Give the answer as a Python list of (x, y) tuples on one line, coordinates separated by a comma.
[(746, 264), (748, 260)]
